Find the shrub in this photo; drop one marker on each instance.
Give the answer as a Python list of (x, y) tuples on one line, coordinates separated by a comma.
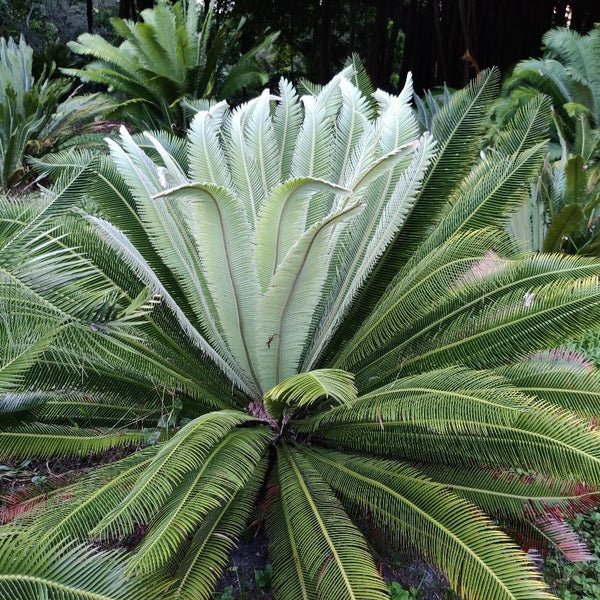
[(32, 118), (175, 53), (321, 313)]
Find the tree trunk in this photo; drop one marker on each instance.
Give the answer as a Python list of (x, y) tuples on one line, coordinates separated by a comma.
[(90, 16), (125, 9)]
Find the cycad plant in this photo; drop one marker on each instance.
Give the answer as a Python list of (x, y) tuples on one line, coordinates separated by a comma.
[(321, 314), (568, 72), (176, 53), (563, 212), (33, 120)]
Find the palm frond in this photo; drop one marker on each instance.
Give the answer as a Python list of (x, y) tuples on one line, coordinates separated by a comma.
[(305, 389), (180, 456), (456, 130), (285, 312), (206, 157), (478, 559), (223, 474), (40, 439), (72, 511), (378, 225), (243, 163), (286, 124), (69, 571), (136, 262), (421, 423), (332, 551), (513, 496), (564, 378), (209, 551), (225, 268), (507, 299), (284, 216)]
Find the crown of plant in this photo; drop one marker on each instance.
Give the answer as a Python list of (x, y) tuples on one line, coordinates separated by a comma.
[(319, 311)]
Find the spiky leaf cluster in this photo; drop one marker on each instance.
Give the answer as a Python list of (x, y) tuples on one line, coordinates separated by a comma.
[(177, 53), (331, 303)]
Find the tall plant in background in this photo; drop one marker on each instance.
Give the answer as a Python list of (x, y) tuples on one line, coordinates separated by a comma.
[(25, 106), (176, 53), (33, 120), (563, 212), (330, 302), (568, 72)]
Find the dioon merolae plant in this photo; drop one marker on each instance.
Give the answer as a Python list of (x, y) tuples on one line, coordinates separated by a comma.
[(177, 54), (320, 312)]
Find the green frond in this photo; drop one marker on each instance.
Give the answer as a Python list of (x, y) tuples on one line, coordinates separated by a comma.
[(69, 572), (169, 55), (547, 76), (456, 130), (224, 472), (387, 203), (353, 121), (509, 495), (467, 273), (529, 127), (206, 157), (416, 290), (182, 455), (174, 146), (507, 316), (97, 407), (208, 554), (564, 378), (360, 78), (24, 336), (53, 165), (440, 422), (72, 511), (305, 389), (168, 254), (20, 401), (478, 559), (579, 53), (136, 262), (312, 149), (490, 339), (262, 145), (290, 579), (332, 552), (40, 439), (454, 390), (246, 73), (486, 197)]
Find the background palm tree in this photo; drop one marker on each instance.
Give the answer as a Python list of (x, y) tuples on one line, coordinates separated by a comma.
[(176, 53), (563, 211)]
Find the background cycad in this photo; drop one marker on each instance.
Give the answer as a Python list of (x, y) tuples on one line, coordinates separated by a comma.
[(171, 60)]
